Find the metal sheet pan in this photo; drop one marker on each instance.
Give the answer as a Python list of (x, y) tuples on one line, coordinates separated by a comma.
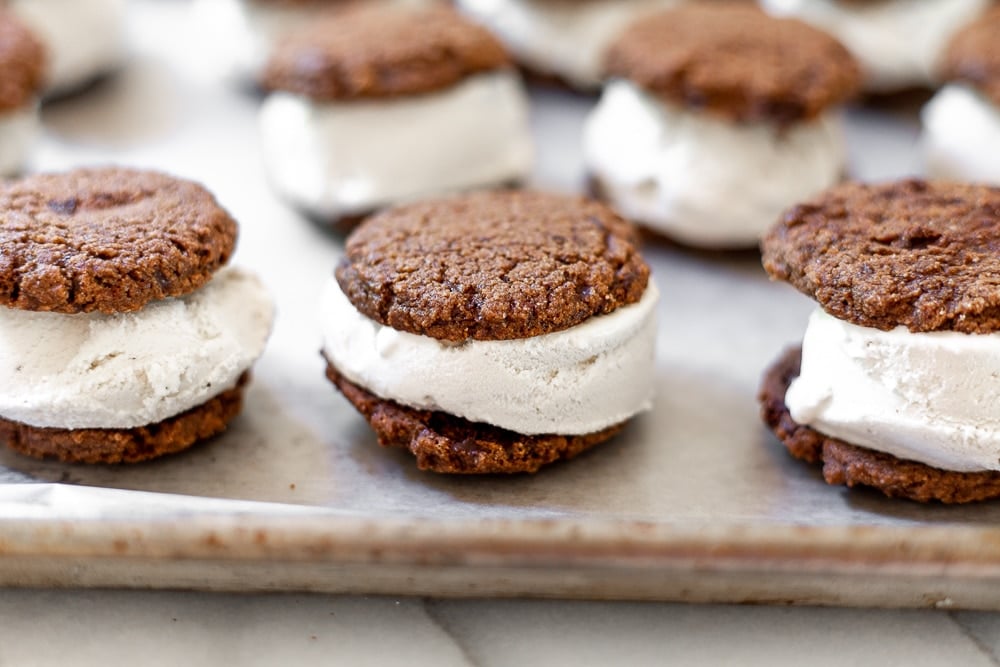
[(695, 501)]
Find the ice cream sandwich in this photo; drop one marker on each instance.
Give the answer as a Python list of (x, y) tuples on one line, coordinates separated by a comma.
[(898, 377), (494, 332), (560, 40), (717, 117), (22, 77), (961, 137), (378, 105), (122, 335), (85, 39), (897, 42)]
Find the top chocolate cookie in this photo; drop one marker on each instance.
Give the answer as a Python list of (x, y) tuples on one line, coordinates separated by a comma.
[(732, 59), (492, 265), (108, 240), (382, 51), (22, 63), (916, 254), (974, 55)]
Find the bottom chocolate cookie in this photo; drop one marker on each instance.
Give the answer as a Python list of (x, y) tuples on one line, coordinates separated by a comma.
[(546, 79), (96, 445), (448, 444), (80, 89), (339, 225), (851, 465)]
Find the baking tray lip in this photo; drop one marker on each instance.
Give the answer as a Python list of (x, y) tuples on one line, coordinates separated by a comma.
[(940, 550)]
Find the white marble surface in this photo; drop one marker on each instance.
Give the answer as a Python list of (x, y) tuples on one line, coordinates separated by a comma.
[(101, 628)]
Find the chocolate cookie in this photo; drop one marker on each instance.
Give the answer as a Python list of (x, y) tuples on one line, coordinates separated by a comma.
[(850, 465), (382, 51), (22, 64), (974, 55), (128, 445), (108, 240), (732, 59), (912, 253), (447, 444), (492, 266)]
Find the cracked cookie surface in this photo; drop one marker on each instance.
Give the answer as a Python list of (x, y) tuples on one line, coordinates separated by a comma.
[(917, 254), (366, 52), (495, 265), (732, 59), (107, 240)]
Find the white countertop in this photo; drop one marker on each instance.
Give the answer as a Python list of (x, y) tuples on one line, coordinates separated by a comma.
[(101, 628)]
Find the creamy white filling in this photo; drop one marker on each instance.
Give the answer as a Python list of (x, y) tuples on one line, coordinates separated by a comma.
[(83, 38), (961, 138), (928, 397), (897, 42), (701, 179), (18, 130), (243, 33), (132, 369), (572, 382), (567, 38), (346, 158)]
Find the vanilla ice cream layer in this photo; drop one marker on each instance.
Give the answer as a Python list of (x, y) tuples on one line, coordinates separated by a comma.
[(243, 33), (18, 130), (83, 38), (927, 397), (346, 158), (572, 382), (133, 369), (961, 138), (701, 179), (567, 38), (897, 42)]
